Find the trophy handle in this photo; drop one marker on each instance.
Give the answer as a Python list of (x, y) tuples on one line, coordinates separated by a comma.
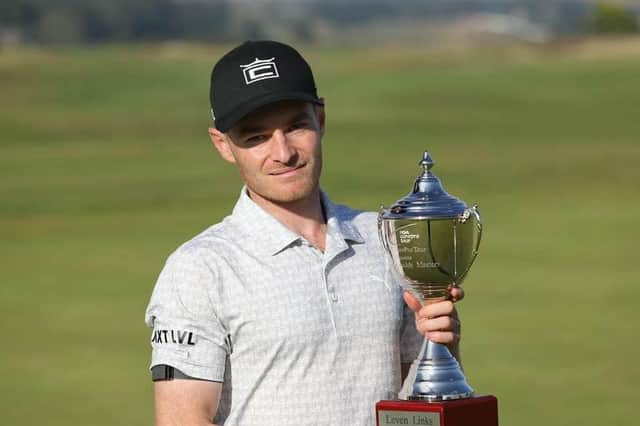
[(463, 218), (381, 232), (476, 213)]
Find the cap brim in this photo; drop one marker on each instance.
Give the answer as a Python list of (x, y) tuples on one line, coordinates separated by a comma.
[(229, 120)]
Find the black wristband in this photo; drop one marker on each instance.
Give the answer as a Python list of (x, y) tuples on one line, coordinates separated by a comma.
[(166, 372)]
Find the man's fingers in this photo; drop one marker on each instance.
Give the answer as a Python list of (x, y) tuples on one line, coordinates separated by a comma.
[(438, 321), (444, 308), (438, 324), (445, 330), (457, 293), (413, 303), (444, 337)]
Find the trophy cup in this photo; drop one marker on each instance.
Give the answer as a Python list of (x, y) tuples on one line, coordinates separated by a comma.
[(431, 238)]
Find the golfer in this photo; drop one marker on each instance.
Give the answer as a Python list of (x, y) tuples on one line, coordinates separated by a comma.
[(284, 313)]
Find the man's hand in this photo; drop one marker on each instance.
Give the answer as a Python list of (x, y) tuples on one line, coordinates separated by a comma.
[(438, 321)]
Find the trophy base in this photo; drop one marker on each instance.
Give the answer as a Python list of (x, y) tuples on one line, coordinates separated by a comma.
[(476, 411)]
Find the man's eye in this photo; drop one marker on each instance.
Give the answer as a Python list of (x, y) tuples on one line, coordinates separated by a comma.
[(298, 125), (256, 139)]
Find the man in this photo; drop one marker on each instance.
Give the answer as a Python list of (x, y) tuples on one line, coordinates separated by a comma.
[(284, 313)]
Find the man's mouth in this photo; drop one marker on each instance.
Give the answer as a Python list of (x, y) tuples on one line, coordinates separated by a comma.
[(287, 171)]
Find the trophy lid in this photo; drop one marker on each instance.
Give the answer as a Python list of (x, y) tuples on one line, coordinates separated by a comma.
[(428, 198)]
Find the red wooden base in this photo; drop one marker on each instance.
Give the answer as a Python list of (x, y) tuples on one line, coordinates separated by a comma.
[(476, 411)]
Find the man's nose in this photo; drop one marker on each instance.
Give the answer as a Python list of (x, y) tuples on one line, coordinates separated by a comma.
[(281, 150)]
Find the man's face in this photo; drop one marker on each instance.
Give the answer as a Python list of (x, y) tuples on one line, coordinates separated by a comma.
[(277, 150)]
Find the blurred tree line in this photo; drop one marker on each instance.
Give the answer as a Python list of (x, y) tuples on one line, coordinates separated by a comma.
[(610, 18), (98, 21), (94, 21)]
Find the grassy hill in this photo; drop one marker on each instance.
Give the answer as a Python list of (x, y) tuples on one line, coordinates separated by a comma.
[(105, 168)]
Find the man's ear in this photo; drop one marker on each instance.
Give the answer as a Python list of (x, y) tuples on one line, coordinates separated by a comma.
[(221, 142)]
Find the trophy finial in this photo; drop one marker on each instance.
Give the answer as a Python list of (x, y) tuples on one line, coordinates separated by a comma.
[(426, 162)]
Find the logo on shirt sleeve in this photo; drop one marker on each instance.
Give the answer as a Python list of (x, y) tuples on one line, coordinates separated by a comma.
[(178, 337)]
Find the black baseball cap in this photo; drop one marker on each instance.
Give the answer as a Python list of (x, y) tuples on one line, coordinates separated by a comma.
[(255, 74)]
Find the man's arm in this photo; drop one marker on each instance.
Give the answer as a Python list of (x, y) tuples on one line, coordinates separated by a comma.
[(189, 345), (183, 402)]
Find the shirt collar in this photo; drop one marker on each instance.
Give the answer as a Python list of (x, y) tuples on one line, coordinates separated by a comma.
[(264, 233)]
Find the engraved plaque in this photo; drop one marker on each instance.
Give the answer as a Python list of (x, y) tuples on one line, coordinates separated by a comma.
[(392, 417), (475, 411)]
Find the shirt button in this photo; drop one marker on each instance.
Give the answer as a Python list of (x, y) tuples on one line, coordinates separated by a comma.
[(333, 296)]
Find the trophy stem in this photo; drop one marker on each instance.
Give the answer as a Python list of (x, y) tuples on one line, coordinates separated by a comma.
[(438, 375)]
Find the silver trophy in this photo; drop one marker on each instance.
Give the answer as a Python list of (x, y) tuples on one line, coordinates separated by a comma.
[(432, 238)]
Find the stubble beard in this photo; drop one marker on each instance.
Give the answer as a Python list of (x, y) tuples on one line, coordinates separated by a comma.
[(289, 192)]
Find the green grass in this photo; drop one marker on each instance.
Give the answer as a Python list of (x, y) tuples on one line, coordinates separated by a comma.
[(105, 167)]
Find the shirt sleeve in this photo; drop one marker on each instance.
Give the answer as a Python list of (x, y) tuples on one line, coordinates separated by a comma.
[(410, 339), (187, 333)]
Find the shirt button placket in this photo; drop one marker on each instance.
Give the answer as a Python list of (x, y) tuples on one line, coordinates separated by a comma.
[(331, 296), (329, 286)]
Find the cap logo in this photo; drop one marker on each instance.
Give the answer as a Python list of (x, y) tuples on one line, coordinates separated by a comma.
[(260, 69)]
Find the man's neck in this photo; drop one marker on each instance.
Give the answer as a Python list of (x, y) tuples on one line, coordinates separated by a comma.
[(304, 217)]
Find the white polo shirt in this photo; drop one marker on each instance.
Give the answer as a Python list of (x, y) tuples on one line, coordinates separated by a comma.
[(298, 336)]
